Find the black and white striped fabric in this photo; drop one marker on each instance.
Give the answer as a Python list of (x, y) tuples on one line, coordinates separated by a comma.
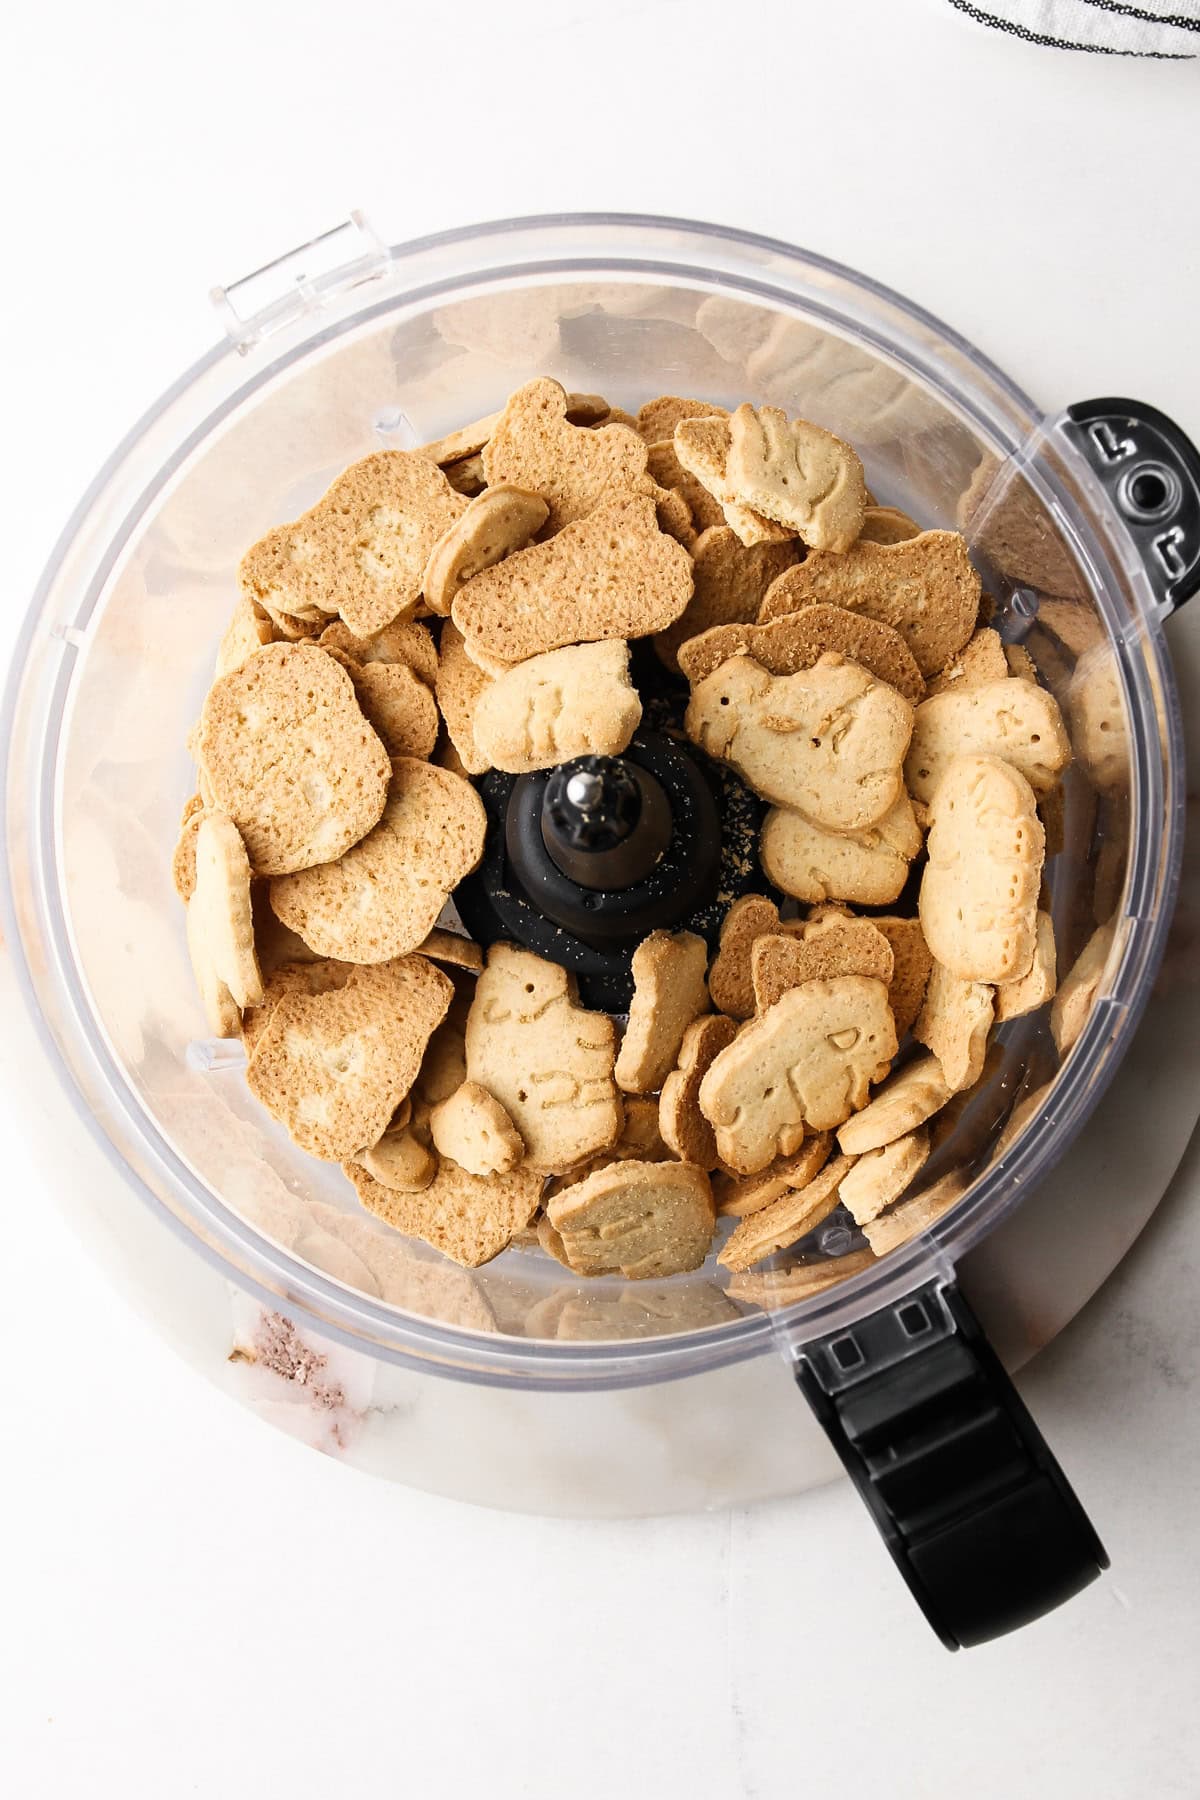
[(1168, 30)]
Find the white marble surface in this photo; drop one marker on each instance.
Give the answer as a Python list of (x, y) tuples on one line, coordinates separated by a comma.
[(197, 1605)]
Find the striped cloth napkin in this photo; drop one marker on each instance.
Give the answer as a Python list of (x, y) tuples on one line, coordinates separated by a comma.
[(1168, 30)]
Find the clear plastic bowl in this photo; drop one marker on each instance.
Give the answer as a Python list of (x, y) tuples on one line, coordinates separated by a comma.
[(397, 346)]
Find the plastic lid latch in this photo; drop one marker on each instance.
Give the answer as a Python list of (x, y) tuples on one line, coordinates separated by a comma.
[(299, 282), (1150, 471)]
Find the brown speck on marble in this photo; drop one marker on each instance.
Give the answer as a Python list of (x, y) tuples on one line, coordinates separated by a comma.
[(279, 1347)]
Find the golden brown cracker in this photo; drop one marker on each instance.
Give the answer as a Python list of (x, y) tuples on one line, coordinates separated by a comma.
[(910, 972), (981, 659), (552, 708), (247, 631), (869, 867), (384, 895), (638, 1219), (1007, 718), (904, 1101), (613, 574), (798, 474), (785, 1221), (1077, 992), (1028, 992), (403, 641), (657, 418), (924, 587), (499, 521), (469, 1218), (670, 990), (828, 741), (881, 1176), (798, 640), (887, 525), (979, 893), (729, 581), (683, 1127), (534, 446), (473, 1129), (398, 706), (333, 1067), (737, 1196), (361, 550), (804, 1065), (291, 758), (220, 925), (548, 1060), (730, 981), (460, 685), (702, 447), (955, 1021)]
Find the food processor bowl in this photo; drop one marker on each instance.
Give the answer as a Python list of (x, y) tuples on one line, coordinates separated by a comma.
[(1085, 526)]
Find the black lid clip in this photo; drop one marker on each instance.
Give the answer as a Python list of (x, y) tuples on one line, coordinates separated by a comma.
[(1150, 471)]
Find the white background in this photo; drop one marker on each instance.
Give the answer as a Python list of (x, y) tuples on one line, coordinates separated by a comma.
[(194, 1605)]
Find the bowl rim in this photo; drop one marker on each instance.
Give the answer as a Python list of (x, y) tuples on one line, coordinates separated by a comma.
[(1005, 414)]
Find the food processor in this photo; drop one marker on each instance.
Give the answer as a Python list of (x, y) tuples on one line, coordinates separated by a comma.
[(509, 1384)]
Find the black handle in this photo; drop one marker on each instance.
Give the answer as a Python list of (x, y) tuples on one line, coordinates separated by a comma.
[(1150, 470), (978, 1516)]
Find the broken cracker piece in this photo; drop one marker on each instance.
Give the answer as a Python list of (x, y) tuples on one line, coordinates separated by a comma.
[(499, 521), (220, 925), (670, 991), (566, 703), (785, 1221), (473, 1129), (683, 1127)]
